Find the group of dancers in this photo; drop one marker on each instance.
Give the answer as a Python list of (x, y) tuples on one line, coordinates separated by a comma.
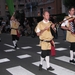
[(43, 31), (45, 36)]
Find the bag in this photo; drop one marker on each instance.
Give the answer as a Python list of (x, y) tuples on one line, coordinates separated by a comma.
[(53, 52)]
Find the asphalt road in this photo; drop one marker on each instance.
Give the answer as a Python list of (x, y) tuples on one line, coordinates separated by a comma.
[(25, 60)]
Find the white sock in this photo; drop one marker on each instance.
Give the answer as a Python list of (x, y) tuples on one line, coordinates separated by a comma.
[(47, 61), (74, 53), (14, 43), (41, 61), (71, 55)]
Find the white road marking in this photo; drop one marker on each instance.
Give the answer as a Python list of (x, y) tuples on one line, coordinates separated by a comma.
[(64, 58), (61, 49), (4, 60), (58, 69), (28, 47), (57, 43), (24, 56), (18, 70), (38, 45), (10, 46), (38, 52), (9, 50)]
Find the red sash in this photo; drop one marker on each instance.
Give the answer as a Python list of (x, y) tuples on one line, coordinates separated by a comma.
[(18, 34), (53, 52)]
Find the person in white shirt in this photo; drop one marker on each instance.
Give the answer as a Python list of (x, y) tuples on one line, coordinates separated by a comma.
[(70, 36), (43, 31)]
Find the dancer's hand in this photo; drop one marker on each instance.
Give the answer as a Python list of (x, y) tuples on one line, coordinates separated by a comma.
[(46, 28)]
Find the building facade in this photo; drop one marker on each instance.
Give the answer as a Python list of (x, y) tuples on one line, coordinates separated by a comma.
[(18, 5), (33, 7), (36, 7), (64, 9)]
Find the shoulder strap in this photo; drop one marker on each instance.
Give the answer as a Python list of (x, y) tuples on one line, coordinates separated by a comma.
[(67, 18)]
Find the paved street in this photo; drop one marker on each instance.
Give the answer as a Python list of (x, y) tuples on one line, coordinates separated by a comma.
[(25, 60)]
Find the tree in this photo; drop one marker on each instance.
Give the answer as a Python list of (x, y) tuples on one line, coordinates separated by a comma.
[(69, 3)]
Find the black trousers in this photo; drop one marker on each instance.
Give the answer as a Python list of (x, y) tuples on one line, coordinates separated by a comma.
[(15, 37), (45, 53), (72, 47)]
